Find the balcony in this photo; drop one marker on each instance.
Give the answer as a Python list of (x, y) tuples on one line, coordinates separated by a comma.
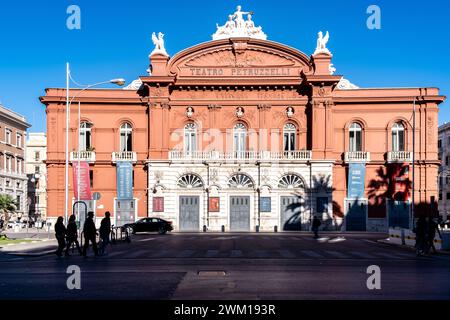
[(399, 156), (124, 156), (357, 156), (200, 156), (88, 156)]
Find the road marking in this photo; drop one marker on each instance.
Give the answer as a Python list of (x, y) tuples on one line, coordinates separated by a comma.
[(362, 255), (337, 254), (211, 253), (286, 254), (185, 253), (388, 255), (235, 253), (144, 240), (312, 254)]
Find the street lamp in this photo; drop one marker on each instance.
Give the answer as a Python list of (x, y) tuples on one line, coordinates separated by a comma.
[(119, 82)]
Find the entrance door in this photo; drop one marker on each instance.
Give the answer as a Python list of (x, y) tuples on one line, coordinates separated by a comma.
[(399, 212), (125, 212), (291, 209), (189, 213), (355, 218), (240, 213)]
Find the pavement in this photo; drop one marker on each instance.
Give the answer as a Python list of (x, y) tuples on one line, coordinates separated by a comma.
[(281, 266)]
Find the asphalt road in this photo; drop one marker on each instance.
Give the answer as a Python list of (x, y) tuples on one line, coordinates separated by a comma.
[(232, 266)]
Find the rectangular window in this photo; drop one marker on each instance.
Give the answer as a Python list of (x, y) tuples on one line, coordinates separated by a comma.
[(7, 183), (37, 156), (18, 202), (8, 134), (19, 166), (440, 196), (36, 199), (447, 160), (448, 195), (439, 143), (37, 169), (91, 178), (19, 140), (448, 141)]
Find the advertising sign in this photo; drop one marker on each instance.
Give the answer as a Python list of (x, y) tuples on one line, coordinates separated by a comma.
[(158, 204), (214, 204), (124, 180), (83, 185), (266, 204), (356, 180)]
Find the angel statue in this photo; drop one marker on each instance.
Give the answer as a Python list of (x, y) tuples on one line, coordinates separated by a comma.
[(239, 17), (322, 43), (159, 44)]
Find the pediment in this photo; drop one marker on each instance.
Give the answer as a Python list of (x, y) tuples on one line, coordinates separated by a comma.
[(239, 58)]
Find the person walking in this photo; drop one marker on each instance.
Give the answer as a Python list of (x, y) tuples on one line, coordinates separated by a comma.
[(315, 226), (72, 235), (432, 226), (90, 233), (60, 235), (421, 230), (105, 230)]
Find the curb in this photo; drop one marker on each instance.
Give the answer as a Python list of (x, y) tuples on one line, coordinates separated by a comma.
[(37, 254), (385, 241)]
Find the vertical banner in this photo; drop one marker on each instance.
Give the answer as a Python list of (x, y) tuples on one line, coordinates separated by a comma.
[(83, 185), (265, 204), (158, 204), (124, 180), (356, 180), (214, 204), (400, 184)]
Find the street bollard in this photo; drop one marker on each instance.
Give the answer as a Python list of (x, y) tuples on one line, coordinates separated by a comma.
[(223, 228), (204, 228), (257, 228), (275, 229)]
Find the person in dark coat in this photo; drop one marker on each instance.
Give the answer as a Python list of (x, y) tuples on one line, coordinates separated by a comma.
[(60, 234), (421, 231), (105, 230), (90, 233), (432, 226), (315, 226), (72, 235)]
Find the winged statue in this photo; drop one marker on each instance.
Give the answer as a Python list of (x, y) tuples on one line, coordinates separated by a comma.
[(158, 41), (322, 43)]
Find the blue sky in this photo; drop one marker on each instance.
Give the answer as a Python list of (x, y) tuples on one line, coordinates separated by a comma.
[(411, 49)]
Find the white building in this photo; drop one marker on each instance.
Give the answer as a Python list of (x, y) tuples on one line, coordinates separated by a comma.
[(444, 172), (36, 171)]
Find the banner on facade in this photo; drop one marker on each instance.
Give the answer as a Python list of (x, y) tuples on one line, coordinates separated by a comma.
[(158, 204), (214, 204), (82, 181), (266, 204), (400, 183), (124, 180), (356, 180)]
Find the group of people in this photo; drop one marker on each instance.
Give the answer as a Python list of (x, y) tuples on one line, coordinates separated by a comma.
[(68, 236), (425, 231)]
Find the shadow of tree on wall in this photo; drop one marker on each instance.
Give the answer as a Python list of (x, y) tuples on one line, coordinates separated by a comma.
[(295, 220)]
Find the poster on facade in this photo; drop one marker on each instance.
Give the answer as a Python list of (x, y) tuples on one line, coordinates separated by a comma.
[(356, 180), (124, 180), (214, 204), (400, 183), (82, 181), (158, 204), (266, 204)]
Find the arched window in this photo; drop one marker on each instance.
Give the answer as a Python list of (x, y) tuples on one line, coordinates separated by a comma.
[(85, 136), (291, 181), (289, 137), (126, 137), (240, 180), (355, 135), (240, 139), (190, 181), (398, 137), (190, 138)]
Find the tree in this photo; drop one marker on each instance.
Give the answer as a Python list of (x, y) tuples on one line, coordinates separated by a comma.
[(7, 207)]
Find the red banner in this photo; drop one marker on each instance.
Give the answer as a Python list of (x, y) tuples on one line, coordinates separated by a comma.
[(214, 204), (83, 185), (158, 204), (400, 182)]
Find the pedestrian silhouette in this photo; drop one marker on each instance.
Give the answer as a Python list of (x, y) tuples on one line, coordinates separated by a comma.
[(72, 235), (421, 232), (315, 226), (60, 234), (432, 226), (105, 230), (90, 233)]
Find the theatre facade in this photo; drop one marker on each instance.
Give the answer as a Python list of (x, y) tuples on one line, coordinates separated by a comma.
[(245, 134)]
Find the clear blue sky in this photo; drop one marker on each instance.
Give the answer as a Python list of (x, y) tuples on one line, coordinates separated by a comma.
[(411, 49)]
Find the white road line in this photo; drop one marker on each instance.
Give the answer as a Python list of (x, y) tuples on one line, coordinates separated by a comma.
[(388, 255), (362, 255), (144, 240), (286, 254), (311, 254), (337, 254), (211, 253), (235, 253)]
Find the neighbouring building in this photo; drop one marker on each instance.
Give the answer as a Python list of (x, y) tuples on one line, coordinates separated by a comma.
[(13, 180), (36, 171), (444, 172), (244, 134)]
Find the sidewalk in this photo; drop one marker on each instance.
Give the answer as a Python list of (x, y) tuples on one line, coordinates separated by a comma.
[(33, 249), (396, 243)]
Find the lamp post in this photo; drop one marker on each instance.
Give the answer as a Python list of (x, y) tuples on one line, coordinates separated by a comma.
[(119, 82)]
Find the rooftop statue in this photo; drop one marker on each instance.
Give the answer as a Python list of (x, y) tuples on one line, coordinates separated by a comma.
[(322, 43), (236, 26), (159, 44)]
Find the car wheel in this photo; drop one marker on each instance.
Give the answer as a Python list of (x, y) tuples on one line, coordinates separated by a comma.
[(162, 230)]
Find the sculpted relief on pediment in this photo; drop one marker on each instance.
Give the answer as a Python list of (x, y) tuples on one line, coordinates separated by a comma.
[(249, 58)]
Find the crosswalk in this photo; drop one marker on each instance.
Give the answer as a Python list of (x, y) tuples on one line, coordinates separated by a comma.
[(260, 254)]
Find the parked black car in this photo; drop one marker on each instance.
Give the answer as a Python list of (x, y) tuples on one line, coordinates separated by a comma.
[(150, 225)]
